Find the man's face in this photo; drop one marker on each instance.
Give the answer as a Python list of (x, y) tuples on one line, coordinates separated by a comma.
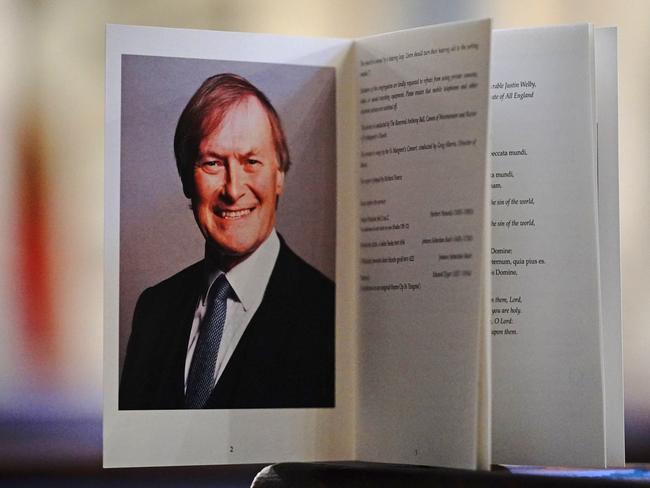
[(237, 180)]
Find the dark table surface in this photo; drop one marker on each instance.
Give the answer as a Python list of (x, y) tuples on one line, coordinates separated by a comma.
[(322, 475)]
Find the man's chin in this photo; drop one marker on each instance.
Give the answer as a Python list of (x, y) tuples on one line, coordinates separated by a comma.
[(231, 254)]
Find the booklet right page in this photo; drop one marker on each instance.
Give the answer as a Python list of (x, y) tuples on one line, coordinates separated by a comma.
[(423, 113), (546, 329)]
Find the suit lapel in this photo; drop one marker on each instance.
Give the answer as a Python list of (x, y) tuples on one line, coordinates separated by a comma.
[(247, 371), (176, 332)]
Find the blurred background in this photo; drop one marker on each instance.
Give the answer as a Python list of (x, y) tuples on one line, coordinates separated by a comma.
[(51, 187)]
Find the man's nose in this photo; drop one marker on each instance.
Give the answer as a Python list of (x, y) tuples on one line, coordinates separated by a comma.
[(234, 184)]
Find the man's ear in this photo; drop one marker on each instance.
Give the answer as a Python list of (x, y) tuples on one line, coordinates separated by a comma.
[(279, 182), (188, 187)]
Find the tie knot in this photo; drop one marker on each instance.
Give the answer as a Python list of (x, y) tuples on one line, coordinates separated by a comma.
[(220, 289)]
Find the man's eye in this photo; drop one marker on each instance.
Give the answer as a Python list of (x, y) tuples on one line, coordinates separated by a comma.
[(253, 162), (210, 165)]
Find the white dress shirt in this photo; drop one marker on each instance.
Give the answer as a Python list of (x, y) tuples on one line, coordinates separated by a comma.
[(248, 280)]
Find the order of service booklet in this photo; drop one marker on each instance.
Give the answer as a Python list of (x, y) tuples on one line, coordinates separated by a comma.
[(402, 248)]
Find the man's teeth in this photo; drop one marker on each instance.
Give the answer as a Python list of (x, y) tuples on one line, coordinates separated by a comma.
[(233, 214)]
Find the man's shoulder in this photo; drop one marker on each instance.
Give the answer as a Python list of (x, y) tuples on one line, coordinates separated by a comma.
[(301, 291), (301, 275), (191, 275)]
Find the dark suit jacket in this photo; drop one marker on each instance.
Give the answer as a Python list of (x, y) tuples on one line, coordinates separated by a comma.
[(285, 358)]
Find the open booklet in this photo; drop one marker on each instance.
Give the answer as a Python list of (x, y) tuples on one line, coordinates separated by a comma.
[(470, 325)]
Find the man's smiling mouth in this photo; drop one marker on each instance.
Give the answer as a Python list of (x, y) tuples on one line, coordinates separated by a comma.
[(233, 214)]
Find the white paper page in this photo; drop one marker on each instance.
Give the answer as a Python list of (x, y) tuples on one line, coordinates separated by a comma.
[(178, 437), (608, 226), (423, 115), (547, 371)]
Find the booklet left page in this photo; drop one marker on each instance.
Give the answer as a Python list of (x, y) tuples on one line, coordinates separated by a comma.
[(223, 341)]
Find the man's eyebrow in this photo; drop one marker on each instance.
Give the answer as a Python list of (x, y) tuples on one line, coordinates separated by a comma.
[(210, 153), (215, 154), (251, 152)]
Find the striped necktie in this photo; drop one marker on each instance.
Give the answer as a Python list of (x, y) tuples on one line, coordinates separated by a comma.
[(200, 379)]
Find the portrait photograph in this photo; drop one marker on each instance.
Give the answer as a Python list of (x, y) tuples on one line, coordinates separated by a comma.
[(227, 234)]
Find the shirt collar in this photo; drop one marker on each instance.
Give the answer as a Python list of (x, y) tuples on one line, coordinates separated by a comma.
[(249, 278)]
